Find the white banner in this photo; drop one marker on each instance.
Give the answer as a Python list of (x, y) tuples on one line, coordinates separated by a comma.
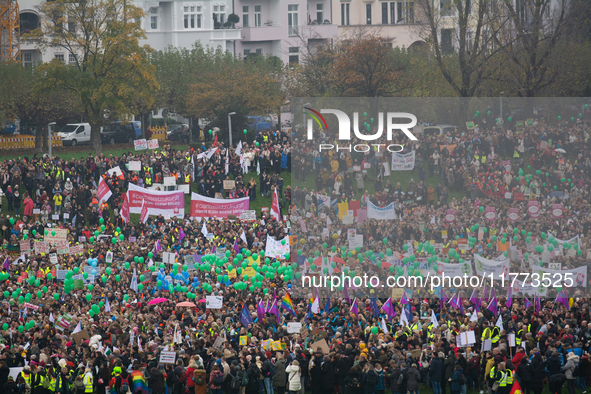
[(385, 213), (323, 201), (558, 277), (167, 204), (484, 267), (524, 288), (454, 270), (403, 162), (275, 249), (571, 241)]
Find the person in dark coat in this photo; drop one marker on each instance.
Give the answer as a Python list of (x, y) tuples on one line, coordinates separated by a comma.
[(448, 367), (353, 381), (342, 369), (556, 382), (414, 377), (156, 381), (553, 364), (316, 374), (327, 375), (538, 367), (280, 378), (524, 373), (4, 372), (370, 379), (392, 374), (436, 372), (254, 374), (456, 388)]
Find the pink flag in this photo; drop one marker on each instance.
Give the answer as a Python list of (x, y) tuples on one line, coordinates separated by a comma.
[(103, 192), (125, 208), (260, 310), (389, 308), (275, 206), (144, 212)]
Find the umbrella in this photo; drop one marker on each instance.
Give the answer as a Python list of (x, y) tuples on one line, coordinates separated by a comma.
[(560, 150), (557, 194), (186, 303), (157, 301), (201, 300)]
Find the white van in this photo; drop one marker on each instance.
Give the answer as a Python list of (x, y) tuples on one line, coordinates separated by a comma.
[(75, 134)]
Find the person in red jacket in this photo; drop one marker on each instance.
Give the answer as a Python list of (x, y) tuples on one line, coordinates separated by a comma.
[(518, 356)]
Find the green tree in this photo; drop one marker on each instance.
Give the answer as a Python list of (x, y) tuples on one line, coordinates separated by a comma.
[(111, 74)]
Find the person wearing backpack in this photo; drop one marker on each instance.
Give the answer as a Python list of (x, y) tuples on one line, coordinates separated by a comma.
[(156, 381), (370, 379), (216, 379), (179, 378), (233, 380), (251, 379), (353, 381), (199, 378), (571, 370), (280, 378), (392, 374), (414, 377), (456, 380), (268, 370), (190, 375)]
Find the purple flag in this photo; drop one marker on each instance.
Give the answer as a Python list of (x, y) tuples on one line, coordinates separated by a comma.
[(492, 306), (275, 310), (389, 308), (474, 299), (245, 317), (213, 248), (404, 300), (6, 265), (157, 247), (537, 304), (527, 303), (236, 247), (562, 297), (354, 308), (181, 235), (510, 297), (346, 293), (374, 307), (260, 310), (484, 294), (267, 307)]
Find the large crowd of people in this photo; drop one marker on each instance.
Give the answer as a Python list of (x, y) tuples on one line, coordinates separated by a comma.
[(109, 314)]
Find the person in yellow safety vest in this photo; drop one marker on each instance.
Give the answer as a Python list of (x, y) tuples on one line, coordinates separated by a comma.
[(27, 375), (88, 381), (486, 332), (496, 335), (187, 179), (501, 377), (38, 380), (52, 380), (63, 381), (519, 335)]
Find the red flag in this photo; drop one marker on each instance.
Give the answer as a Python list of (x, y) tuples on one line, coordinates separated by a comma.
[(144, 212), (215, 142), (275, 206), (125, 208), (103, 192), (516, 389)]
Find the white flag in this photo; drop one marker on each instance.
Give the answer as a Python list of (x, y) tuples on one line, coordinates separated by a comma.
[(239, 149), (500, 323), (139, 345), (227, 161), (243, 237), (474, 317), (258, 168), (204, 229), (316, 306), (77, 329), (384, 326), (51, 319), (404, 319), (133, 284), (107, 306), (434, 319)]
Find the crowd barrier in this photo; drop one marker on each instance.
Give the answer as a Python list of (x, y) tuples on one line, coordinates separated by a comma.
[(25, 141)]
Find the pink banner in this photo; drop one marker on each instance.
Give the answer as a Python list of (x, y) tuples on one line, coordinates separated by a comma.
[(361, 215), (533, 207), (206, 207), (489, 213), (513, 214), (450, 215), (557, 210), (167, 204)]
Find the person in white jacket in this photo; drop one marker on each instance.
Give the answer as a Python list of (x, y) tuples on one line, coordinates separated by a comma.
[(293, 377)]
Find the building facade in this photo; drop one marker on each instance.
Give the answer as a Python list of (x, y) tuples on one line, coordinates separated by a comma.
[(283, 28)]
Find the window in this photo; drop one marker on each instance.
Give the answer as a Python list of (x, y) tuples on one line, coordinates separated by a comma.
[(71, 58), (192, 16), (59, 56), (292, 20), (219, 14), (446, 8), (71, 24), (345, 14), (246, 52), (446, 40), (400, 5), (320, 13), (27, 60), (384, 13), (258, 15), (410, 12), (259, 51), (392, 12), (368, 13), (154, 18), (406, 11), (294, 54), (245, 9)]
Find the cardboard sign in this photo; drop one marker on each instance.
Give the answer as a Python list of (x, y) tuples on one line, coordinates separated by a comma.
[(470, 125), (135, 165), (169, 181), (153, 144), (248, 215), (276, 345), (214, 302), (293, 327), (320, 345), (81, 336), (167, 357), (304, 332), (62, 247), (53, 258), (218, 342), (229, 185), (77, 249), (140, 144), (243, 340)]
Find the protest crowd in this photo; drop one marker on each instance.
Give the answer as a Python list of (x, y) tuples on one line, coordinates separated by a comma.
[(93, 302)]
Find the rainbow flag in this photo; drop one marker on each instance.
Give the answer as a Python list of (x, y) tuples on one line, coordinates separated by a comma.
[(287, 304), (139, 382)]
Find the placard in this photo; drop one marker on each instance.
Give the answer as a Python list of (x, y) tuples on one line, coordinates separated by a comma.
[(167, 357), (55, 217), (82, 239), (248, 215), (66, 215), (169, 181), (36, 211), (304, 332), (153, 144), (167, 258), (294, 327), (214, 302), (511, 338), (81, 336), (77, 249), (229, 185), (25, 246), (53, 258), (61, 274), (109, 257), (135, 165), (321, 345), (218, 342), (62, 247), (140, 144)]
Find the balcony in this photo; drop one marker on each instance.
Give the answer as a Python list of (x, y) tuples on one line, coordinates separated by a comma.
[(263, 33), (225, 34), (322, 31)]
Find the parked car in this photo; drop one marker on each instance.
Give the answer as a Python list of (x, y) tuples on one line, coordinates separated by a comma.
[(75, 134), (117, 132), (176, 127)]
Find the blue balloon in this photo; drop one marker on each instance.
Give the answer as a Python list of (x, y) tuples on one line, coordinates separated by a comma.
[(94, 264), (94, 272)]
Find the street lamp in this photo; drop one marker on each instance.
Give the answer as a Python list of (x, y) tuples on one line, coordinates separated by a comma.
[(304, 113), (502, 93), (49, 136), (230, 125)]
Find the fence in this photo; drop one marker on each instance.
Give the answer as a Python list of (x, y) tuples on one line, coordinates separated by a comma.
[(25, 141)]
